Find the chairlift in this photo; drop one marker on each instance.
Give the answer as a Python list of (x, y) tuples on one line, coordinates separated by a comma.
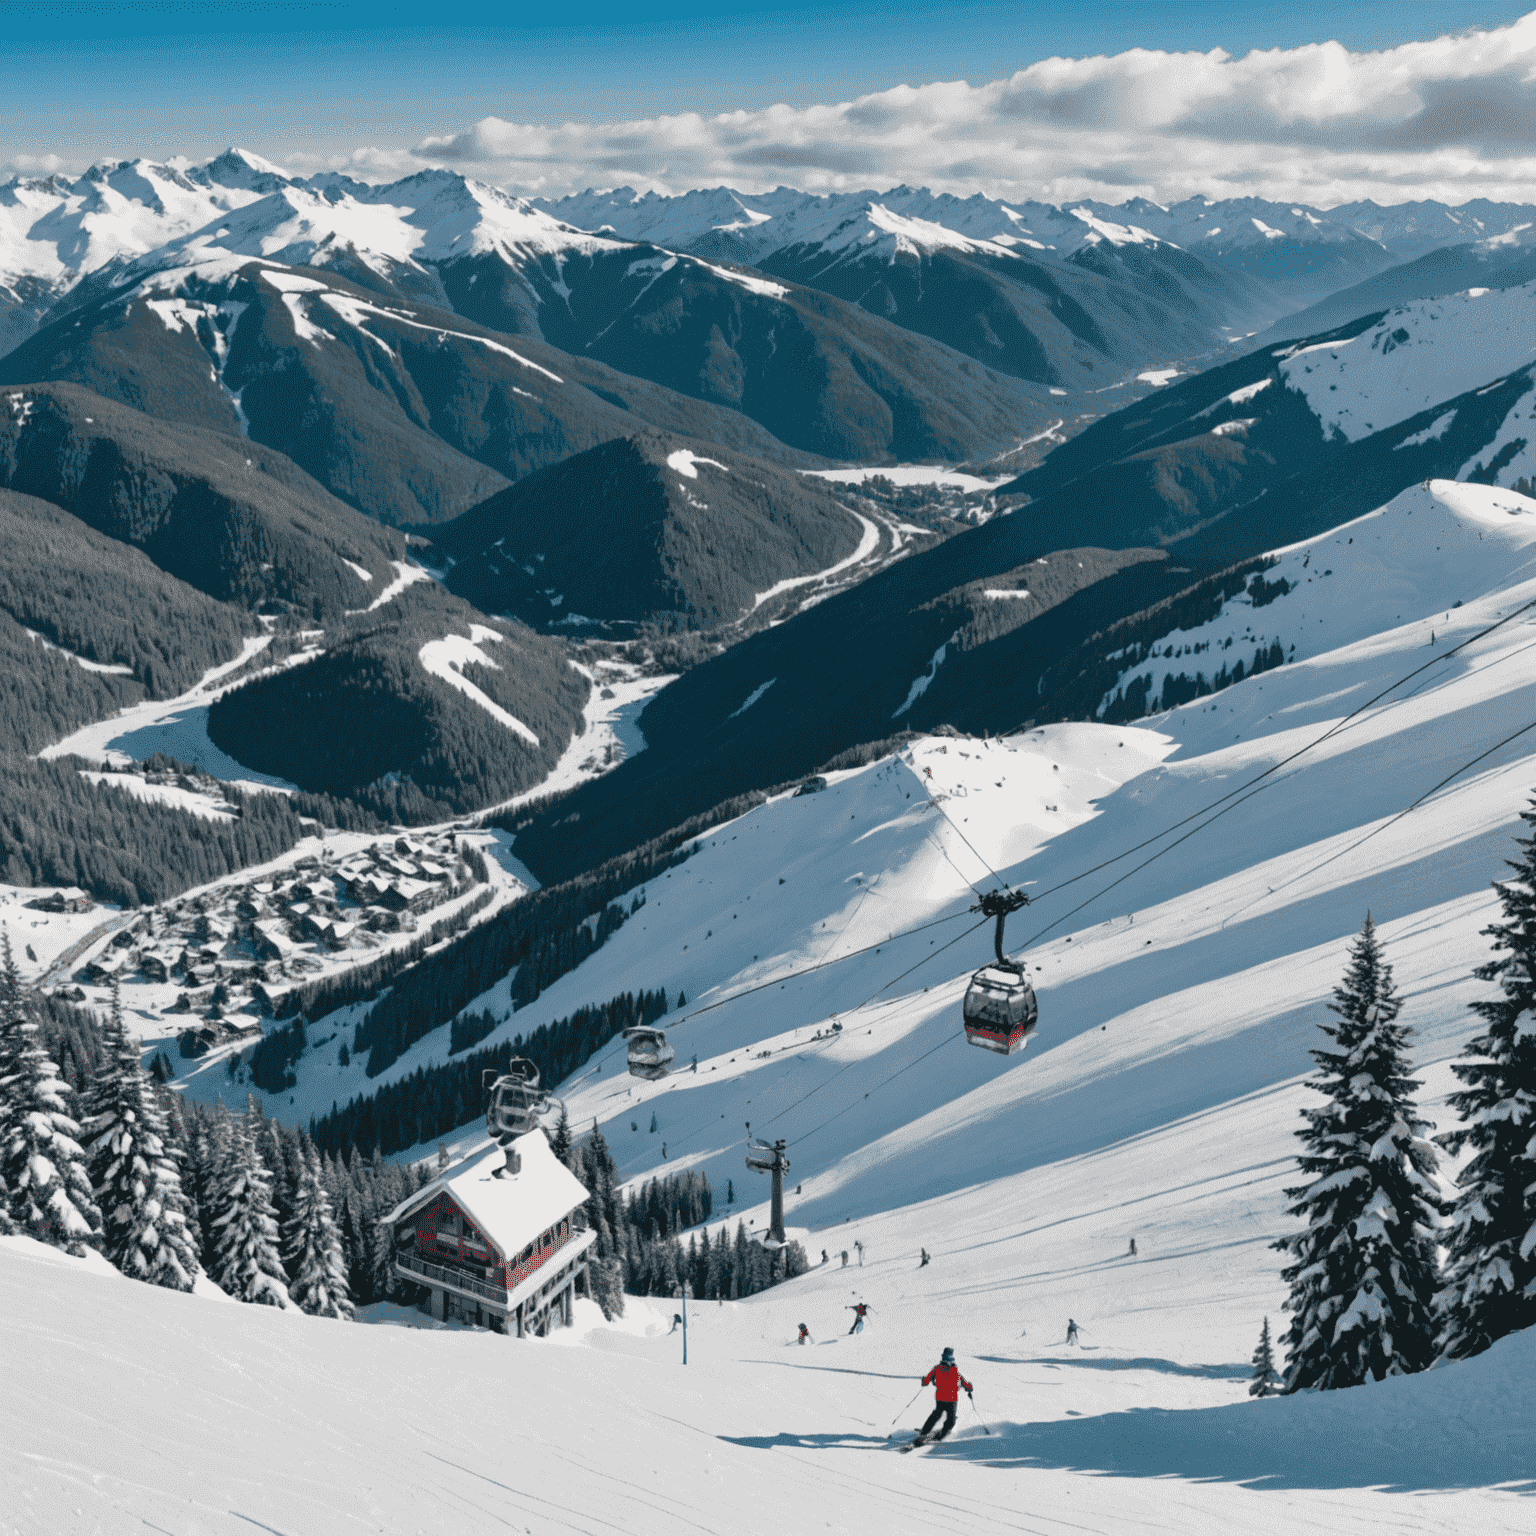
[(649, 1054), (515, 1102), (1000, 1009)]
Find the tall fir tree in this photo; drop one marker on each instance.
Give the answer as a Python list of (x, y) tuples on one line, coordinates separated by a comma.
[(42, 1164), (560, 1143), (1364, 1278), (315, 1259), (10, 1005), (246, 1262), (1490, 1281), (133, 1170), (1265, 1377)]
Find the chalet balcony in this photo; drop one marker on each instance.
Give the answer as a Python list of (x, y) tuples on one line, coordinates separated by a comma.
[(453, 1278)]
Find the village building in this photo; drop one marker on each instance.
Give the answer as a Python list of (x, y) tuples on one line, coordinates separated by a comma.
[(498, 1240), (70, 899)]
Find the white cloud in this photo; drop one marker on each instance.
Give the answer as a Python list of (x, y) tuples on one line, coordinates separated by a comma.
[(1451, 118)]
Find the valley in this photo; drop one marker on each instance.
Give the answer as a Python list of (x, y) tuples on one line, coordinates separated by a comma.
[(451, 638)]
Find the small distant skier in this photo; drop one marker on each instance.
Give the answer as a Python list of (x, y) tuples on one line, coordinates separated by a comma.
[(860, 1311), (1133, 1248), (805, 1333), (947, 1384), (845, 1258), (860, 1247), (823, 1255), (677, 1322), (1071, 1331), (923, 1262)]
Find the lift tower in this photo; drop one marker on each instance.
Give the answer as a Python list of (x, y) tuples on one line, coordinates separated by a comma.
[(763, 1158)]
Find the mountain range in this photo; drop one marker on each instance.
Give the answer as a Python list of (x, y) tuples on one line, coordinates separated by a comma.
[(440, 446)]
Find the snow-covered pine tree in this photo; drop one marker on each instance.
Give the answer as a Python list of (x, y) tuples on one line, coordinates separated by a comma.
[(42, 1164), (1265, 1376), (245, 1262), (1364, 1278), (133, 1171), (10, 1003), (315, 1259), (1490, 1280), (560, 1143)]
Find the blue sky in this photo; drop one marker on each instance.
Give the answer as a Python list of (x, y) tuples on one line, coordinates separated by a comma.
[(86, 78), (1391, 99)]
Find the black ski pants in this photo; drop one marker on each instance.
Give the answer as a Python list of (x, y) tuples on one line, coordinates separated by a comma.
[(945, 1411)]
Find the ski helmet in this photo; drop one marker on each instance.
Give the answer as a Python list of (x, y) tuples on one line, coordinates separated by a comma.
[(948, 1357)]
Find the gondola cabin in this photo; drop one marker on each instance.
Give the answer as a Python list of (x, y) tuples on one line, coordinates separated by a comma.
[(1000, 1009), (495, 1248), (514, 1100), (649, 1054)]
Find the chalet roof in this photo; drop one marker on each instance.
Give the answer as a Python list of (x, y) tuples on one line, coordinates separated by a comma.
[(510, 1211)]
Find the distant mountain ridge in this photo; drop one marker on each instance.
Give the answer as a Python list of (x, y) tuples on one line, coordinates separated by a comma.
[(1070, 299)]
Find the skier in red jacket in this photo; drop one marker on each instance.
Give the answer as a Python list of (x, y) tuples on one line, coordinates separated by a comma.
[(947, 1383)]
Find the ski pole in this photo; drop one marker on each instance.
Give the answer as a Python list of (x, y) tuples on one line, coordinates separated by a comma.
[(984, 1428), (915, 1397)]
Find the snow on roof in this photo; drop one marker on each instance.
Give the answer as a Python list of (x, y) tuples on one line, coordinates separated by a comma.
[(511, 1210)]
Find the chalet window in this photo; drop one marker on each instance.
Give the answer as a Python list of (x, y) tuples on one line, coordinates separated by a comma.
[(527, 1253)]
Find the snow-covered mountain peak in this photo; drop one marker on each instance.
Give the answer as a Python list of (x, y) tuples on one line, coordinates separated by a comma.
[(240, 169), (1105, 231), (907, 235)]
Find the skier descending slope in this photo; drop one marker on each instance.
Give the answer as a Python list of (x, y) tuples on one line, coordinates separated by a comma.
[(860, 1312), (947, 1384)]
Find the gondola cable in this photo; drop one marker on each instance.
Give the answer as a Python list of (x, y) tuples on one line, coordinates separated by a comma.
[(1301, 751)]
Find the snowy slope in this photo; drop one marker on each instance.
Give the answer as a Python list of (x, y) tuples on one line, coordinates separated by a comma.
[(1415, 356), (1135, 986), (1158, 1101)]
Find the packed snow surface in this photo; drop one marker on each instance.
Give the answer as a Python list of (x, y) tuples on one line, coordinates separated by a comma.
[(686, 463), (869, 541)]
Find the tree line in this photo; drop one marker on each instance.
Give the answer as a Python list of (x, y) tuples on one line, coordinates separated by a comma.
[(547, 934), (1369, 1296), (100, 1156), (398, 740), (438, 1099), (639, 1247), (57, 828)]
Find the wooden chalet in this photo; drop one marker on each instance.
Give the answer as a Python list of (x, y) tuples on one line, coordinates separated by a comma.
[(498, 1240)]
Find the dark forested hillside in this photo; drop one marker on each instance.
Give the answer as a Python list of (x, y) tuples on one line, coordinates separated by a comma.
[(57, 828), (237, 521), (1164, 475), (407, 413), (645, 528), (396, 737), (107, 603)]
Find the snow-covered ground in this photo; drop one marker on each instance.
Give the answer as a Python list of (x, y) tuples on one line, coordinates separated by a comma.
[(1188, 921), (178, 727), (911, 474), (1424, 352)]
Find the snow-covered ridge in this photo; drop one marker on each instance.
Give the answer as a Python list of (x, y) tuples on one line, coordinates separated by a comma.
[(1400, 568), (1417, 356)]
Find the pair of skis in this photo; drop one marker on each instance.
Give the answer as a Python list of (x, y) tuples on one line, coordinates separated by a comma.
[(921, 1439)]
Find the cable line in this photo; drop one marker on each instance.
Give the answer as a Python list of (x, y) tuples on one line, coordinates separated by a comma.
[(1274, 768)]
